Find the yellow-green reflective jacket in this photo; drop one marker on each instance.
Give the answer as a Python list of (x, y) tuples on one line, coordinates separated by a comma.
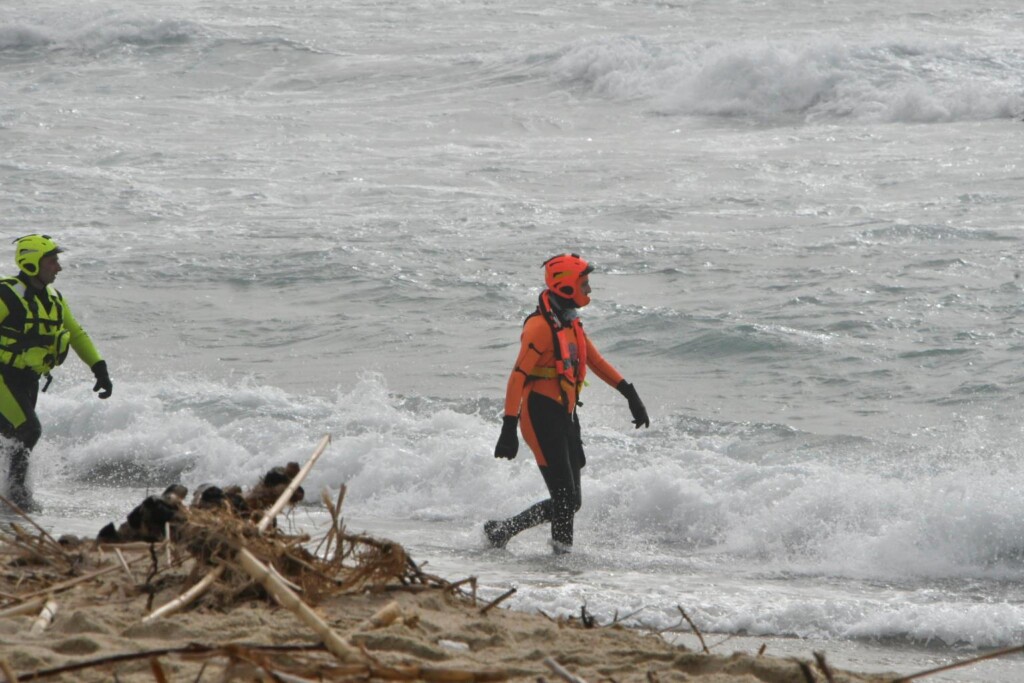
[(37, 329)]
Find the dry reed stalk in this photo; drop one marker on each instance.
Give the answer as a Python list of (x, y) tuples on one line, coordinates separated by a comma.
[(71, 583), (825, 668), (286, 495), (259, 654), (188, 596), (336, 512), (616, 619), (446, 675), (23, 608), (192, 651), (498, 600), (158, 671), (293, 586), (258, 571), (561, 672), (380, 561), (42, 531), (334, 534), (384, 616), (124, 565), (9, 674), (457, 587), (132, 546), (207, 581), (45, 618), (696, 631), (805, 669), (966, 662), (325, 498)]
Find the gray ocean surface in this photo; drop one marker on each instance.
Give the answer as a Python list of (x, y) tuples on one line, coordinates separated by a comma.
[(290, 219)]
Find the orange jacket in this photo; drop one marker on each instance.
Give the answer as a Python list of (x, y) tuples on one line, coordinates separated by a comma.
[(537, 355)]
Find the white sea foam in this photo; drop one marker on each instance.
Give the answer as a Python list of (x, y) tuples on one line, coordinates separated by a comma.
[(820, 81)]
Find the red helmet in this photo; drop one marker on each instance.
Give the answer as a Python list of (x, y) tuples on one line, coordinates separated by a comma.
[(562, 275)]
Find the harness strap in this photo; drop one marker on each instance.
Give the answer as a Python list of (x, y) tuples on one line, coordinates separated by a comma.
[(570, 376)]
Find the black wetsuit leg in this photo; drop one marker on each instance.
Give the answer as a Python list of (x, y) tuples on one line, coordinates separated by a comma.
[(19, 391), (558, 436)]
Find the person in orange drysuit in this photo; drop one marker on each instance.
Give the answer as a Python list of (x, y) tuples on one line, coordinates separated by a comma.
[(541, 399)]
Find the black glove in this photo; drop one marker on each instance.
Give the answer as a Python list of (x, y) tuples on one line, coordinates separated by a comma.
[(508, 442), (103, 383), (636, 406)]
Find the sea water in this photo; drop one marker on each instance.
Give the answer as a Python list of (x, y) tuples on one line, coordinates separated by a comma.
[(284, 220)]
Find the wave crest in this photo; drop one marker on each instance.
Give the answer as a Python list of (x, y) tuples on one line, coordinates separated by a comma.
[(99, 36), (22, 38), (777, 81)]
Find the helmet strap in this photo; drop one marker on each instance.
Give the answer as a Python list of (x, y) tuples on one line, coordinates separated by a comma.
[(564, 308)]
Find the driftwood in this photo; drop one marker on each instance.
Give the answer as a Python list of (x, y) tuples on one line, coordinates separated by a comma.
[(562, 672), (335, 643)]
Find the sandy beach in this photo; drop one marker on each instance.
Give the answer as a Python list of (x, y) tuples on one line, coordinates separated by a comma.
[(77, 610), (440, 633), (451, 638)]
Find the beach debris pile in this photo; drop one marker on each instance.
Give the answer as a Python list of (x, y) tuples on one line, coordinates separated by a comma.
[(216, 587), (222, 551), (151, 519)]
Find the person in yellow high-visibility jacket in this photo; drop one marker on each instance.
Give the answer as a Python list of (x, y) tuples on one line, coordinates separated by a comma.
[(37, 329)]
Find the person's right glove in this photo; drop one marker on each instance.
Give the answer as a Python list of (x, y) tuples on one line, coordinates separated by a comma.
[(636, 406), (103, 383), (508, 442)]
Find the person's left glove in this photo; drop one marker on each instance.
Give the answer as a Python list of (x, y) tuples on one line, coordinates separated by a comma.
[(103, 383), (636, 406)]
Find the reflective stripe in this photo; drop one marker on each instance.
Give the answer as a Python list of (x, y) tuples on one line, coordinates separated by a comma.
[(9, 406), (546, 373)]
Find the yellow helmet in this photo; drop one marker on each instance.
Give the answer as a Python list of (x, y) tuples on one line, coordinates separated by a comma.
[(30, 249)]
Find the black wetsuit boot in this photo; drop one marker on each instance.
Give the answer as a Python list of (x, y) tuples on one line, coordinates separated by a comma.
[(560, 510), (499, 533), (17, 480)]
